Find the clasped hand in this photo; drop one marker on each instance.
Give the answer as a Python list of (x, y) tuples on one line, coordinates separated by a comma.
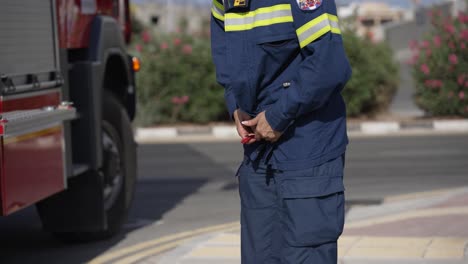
[(257, 126)]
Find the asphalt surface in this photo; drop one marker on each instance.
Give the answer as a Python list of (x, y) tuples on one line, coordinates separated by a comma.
[(187, 186)]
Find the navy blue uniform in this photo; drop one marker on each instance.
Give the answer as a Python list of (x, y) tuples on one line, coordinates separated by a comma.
[(286, 59)]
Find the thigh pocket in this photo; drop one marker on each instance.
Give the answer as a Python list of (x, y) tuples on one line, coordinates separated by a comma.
[(256, 188), (313, 210)]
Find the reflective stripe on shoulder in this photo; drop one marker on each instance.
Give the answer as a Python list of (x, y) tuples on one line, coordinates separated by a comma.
[(217, 10), (317, 28), (264, 16)]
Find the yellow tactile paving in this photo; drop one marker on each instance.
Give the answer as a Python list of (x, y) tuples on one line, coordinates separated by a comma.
[(432, 212), (373, 252), (229, 239), (421, 195), (437, 253), (342, 251), (348, 240), (448, 243), (393, 242), (215, 252)]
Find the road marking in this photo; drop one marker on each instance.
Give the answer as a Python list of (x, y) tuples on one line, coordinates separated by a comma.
[(150, 252), (141, 246), (156, 250), (425, 194), (432, 212)]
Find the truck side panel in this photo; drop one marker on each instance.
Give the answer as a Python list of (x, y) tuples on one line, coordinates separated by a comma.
[(32, 160)]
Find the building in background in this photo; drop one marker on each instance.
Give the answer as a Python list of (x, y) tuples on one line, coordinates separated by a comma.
[(173, 15)]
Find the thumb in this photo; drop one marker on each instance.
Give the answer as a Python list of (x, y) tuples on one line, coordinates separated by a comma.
[(251, 122)]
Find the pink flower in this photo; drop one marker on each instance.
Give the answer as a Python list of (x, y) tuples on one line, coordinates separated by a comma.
[(464, 34), (437, 41), (413, 59), (184, 99), (177, 41), (425, 69), (461, 95), (462, 18), (453, 58), (461, 79), (449, 28), (187, 49), (146, 36), (180, 100), (433, 83), (466, 84), (138, 47), (164, 46), (462, 45)]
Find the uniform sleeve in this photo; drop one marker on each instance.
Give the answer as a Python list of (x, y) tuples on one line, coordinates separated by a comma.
[(218, 50), (323, 71)]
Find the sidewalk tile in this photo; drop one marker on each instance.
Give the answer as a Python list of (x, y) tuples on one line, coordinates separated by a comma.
[(348, 240), (393, 242), (342, 251), (437, 253), (448, 243), (215, 252), (374, 252)]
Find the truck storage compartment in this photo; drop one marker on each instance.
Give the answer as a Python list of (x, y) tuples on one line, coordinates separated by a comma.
[(28, 46)]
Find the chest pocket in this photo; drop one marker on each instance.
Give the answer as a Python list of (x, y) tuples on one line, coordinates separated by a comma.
[(273, 55)]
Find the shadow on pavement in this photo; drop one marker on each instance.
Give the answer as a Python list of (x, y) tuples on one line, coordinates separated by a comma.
[(167, 175)]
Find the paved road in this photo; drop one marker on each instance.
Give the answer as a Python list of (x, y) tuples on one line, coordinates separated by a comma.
[(187, 186)]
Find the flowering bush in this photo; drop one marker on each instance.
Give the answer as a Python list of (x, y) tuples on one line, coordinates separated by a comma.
[(440, 66), (177, 80)]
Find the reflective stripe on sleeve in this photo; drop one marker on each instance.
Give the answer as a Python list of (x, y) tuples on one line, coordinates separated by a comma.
[(317, 28), (217, 10), (264, 16)]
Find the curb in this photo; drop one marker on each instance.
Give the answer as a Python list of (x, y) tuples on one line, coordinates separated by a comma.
[(221, 132)]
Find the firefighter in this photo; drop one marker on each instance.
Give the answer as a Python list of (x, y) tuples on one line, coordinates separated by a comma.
[(283, 67)]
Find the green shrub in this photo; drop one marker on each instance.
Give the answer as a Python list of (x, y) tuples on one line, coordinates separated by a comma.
[(177, 80), (375, 75), (440, 66)]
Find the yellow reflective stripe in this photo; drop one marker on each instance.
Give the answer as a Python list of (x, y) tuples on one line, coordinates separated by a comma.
[(215, 13), (259, 23), (335, 30), (317, 28), (218, 5), (264, 16), (217, 10)]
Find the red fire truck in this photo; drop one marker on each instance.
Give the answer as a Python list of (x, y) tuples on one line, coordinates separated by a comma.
[(67, 101)]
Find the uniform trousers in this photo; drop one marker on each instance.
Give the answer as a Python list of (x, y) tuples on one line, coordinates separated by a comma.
[(291, 217)]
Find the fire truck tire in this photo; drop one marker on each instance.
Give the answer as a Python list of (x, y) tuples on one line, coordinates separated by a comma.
[(118, 172)]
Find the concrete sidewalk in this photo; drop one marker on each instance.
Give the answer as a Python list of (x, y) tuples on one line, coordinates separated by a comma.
[(429, 227), (222, 132)]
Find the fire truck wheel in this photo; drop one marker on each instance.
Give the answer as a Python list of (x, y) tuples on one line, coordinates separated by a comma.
[(118, 172)]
